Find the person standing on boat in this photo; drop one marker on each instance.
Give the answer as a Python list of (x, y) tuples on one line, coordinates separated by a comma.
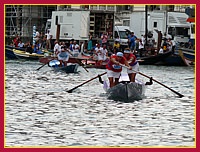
[(75, 48), (102, 54), (114, 69), (131, 59), (56, 48)]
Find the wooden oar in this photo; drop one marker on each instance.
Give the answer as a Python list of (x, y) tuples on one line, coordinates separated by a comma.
[(45, 64), (41, 66), (70, 91), (180, 95)]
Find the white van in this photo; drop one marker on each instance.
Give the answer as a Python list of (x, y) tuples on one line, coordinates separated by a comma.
[(122, 32)]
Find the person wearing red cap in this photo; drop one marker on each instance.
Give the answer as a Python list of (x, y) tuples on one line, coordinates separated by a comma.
[(114, 69), (131, 58)]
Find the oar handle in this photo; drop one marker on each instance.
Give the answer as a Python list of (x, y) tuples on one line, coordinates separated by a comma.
[(69, 91), (180, 95)]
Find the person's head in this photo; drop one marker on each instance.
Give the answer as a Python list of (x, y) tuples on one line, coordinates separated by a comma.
[(104, 46), (127, 52), (119, 56)]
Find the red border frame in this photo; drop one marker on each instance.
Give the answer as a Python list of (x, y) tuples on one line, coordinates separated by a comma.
[(90, 149)]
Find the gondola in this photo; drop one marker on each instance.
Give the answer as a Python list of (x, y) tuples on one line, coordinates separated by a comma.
[(153, 59), (188, 56)]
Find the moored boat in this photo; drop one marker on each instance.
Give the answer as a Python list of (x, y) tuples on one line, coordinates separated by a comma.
[(9, 54), (172, 60), (153, 59), (26, 55), (188, 56)]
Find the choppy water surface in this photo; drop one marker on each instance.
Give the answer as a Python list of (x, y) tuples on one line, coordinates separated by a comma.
[(39, 112)]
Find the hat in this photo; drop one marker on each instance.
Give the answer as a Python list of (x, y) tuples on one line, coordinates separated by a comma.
[(127, 51), (120, 54)]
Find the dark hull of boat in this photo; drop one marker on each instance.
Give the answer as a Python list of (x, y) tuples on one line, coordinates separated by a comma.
[(172, 60), (188, 56), (127, 92), (9, 54), (25, 55), (68, 69), (152, 60)]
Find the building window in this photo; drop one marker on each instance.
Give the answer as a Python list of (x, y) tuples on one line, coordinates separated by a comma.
[(154, 7), (93, 7), (170, 8), (126, 22), (102, 7), (110, 8), (155, 24), (127, 7)]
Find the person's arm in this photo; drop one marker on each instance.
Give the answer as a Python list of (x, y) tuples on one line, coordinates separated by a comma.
[(130, 60), (127, 64), (114, 61)]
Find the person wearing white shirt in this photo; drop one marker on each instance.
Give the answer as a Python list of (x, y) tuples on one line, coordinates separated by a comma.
[(75, 49), (141, 47), (102, 54), (56, 48), (20, 44)]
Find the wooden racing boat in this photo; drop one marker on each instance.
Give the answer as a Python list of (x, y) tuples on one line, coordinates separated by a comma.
[(126, 91), (70, 68)]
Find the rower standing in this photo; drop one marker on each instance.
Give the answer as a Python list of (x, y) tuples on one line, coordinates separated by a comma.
[(114, 69), (131, 58)]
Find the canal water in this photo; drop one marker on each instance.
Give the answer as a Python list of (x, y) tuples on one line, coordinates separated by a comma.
[(39, 111)]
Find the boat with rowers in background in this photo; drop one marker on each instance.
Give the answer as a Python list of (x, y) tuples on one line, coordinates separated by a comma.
[(70, 68)]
